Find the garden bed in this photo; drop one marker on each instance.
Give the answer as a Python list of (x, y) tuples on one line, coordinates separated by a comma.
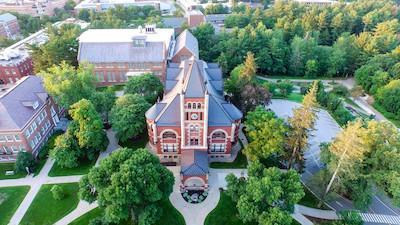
[(194, 196)]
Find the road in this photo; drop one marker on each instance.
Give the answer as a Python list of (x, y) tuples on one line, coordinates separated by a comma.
[(326, 129)]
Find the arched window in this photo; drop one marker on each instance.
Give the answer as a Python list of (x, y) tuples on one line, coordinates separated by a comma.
[(194, 105), (218, 135), (169, 135), (189, 105), (199, 105)]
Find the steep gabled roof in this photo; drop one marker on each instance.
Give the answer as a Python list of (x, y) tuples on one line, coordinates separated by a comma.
[(194, 83), (188, 41)]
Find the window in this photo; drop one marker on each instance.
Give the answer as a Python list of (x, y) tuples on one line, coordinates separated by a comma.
[(199, 105), (14, 149), (217, 148), (32, 144), (2, 138), (169, 135), (16, 137), (27, 133), (189, 105), (170, 147), (9, 138), (22, 148), (34, 125), (218, 135), (194, 105), (139, 43), (194, 141)]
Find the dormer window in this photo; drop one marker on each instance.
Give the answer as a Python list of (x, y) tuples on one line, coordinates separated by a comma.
[(139, 43)]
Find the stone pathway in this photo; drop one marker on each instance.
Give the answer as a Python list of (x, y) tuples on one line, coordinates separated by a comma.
[(42, 178)]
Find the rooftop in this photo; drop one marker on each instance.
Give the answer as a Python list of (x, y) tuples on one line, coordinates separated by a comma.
[(20, 102), (6, 17)]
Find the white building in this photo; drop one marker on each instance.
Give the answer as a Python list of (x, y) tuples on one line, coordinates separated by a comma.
[(102, 5)]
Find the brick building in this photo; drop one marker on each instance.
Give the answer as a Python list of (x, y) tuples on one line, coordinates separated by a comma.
[(9, 27), (16, 62), (28, 116), (193, 122), (120, 53)]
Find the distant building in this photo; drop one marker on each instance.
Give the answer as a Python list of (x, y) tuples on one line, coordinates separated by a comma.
[(32, 7), (317, 2), (9, 27), (193, 122), (120, 53), (195, 18), (103, 5), (16, 62), (28, 116)]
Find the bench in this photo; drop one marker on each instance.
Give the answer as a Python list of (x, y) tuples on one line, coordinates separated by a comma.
[(10, 173)]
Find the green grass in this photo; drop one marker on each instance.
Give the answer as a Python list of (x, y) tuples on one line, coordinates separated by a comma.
[(45, 210), (388, 115), (85, 218), (83, 168), (239, 163), (225, 213), (9, 167), (10, 199), (295, 97), (170, 216), (310, 200), (139, 142)]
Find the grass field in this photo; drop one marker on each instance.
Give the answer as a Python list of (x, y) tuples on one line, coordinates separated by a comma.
[(82, 168), (170, 216), (45, 210), (225, 213), (239, 163), (10, 199), (9, 167), (295, 97)]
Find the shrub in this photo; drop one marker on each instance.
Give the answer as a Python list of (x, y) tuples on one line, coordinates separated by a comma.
[(388, 97), (342, 115), (340, 90), (24, 159), (350, 218), (58, 192), (285, 87)]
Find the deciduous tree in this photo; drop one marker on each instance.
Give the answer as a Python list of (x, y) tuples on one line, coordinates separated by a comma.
[(127, 116), (146, 85), (128, 184)]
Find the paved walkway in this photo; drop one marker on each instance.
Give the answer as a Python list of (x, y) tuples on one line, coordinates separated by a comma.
[(35, 184)]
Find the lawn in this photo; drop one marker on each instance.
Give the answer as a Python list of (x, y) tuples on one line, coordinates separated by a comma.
[(390, 116), (46, 210), (82, 168), (10, 199), (295, 97), (239, 163), (225, 213), (170, 216), (9, 167), (139, 142)]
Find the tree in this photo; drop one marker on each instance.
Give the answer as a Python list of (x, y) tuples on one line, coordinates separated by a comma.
[(146, 85), (204, 34), (68, 85), (103, 102), (24, 160), (266, 133), (62, 46), (387, 97), (253, 95), (285, 88), (347, 149), (249, 69), (66, 151), (311, 69), (128, 184), (69, 5), (87, 127), (127, 116), (57, 192), (269, 195), (300, 124)]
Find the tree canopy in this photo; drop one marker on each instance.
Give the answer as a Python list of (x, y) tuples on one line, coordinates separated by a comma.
[(146, 85), (68, 85), (127, 116), (128, 185)]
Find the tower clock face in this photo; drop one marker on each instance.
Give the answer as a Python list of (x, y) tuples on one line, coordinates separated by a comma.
[(194, 116)]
